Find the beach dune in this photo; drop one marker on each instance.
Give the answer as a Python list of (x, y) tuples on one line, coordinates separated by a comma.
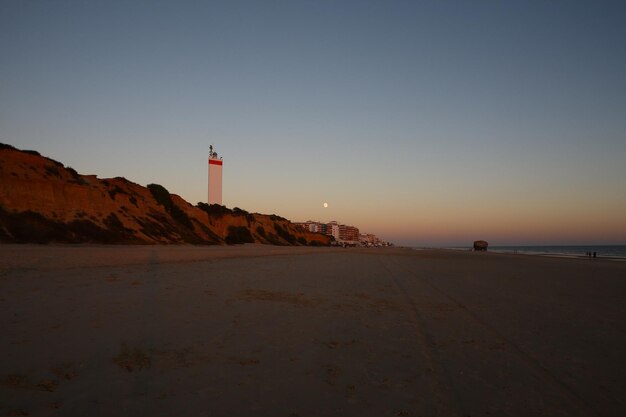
[(296, 331)]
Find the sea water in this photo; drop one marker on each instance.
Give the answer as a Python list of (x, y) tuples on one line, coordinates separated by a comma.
[(617, 252), (602, 251)]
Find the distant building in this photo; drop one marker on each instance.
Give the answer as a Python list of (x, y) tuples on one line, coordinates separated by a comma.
[(370, 240), (215, 178), (340, 232), (332, 229), (348, 233)]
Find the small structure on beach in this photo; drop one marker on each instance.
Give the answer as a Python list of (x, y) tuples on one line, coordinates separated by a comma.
[(480, 245)]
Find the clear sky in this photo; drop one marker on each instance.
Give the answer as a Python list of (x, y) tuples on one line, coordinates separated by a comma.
[(425, 122)]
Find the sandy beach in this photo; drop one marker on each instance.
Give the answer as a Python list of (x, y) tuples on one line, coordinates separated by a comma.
[(293, 331)]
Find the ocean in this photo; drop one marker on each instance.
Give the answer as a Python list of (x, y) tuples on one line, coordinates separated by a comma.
[(617, 252)]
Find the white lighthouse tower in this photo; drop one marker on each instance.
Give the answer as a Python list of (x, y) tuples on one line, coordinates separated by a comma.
[(215, 177)]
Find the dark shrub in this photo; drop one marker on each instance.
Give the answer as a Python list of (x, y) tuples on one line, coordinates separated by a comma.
[(114, 223), (180, 216), (284, 234), (214, 210), (31, 227), (52, 170), (87, 231), (274, 240), (302, 241), (76, 178), (114, 191), (161, 226), (153, 227), (5, 146), (72, 172), (162, 196), (57, 163), (261, 231), (238, 234)]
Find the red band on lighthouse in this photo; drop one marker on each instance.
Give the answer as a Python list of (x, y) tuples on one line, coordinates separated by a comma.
[(215, 162)]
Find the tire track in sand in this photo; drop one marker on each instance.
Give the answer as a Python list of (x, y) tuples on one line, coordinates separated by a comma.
[(542, 372), (448, 403)]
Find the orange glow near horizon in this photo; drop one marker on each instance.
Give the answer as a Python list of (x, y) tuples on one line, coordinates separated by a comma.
[(505, 227), (537, 221)]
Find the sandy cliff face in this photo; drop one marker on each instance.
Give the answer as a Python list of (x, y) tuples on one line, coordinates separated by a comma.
[(43, 201)]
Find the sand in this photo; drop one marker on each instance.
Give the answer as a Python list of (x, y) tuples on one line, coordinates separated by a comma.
[(274, 331)]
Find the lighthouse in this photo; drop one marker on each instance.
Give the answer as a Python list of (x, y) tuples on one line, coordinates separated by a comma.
[(215, 177)]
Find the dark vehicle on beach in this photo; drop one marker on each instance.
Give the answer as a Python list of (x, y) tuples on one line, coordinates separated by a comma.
[(480, 245)]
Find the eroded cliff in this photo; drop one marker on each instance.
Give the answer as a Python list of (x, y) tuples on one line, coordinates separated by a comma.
[(43, 201)]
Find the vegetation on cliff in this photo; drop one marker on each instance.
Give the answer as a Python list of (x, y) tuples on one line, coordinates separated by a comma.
[(238, 234), (162, 196)]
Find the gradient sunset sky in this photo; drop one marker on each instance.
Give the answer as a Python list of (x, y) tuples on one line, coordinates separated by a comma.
[(425, 122)]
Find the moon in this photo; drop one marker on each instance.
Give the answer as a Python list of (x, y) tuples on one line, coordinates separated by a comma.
[(325, 205)]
